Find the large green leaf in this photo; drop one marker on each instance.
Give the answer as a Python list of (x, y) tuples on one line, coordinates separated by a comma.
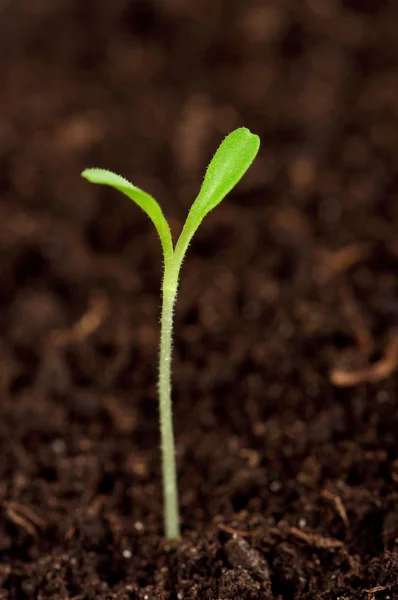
[(229, 164)]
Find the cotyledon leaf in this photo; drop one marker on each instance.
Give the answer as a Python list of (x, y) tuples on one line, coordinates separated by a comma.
[(146, 202), (231, 161)]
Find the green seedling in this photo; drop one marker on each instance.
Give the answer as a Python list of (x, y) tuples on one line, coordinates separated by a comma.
[(229, 164)]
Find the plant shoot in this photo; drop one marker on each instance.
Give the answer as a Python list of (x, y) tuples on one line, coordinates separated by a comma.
[(229, 164)]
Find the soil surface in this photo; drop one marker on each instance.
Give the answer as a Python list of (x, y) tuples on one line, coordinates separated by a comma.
[(286, 337)]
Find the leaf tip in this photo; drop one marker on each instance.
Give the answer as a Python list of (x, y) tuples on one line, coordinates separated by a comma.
[(245, 133), (89, 174), (105, 177)]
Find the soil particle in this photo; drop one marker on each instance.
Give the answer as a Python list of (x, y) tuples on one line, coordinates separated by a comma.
[(240, 554)]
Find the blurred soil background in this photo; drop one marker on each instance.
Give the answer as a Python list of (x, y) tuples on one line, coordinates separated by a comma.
[(286, 338)]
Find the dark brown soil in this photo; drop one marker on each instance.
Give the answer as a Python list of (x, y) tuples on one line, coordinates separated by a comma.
[(286, 340)]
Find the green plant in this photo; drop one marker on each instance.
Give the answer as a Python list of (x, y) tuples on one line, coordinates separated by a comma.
[(229, 164)]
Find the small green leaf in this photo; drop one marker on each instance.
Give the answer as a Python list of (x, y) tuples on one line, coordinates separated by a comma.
[(144, 201), (229, 164)]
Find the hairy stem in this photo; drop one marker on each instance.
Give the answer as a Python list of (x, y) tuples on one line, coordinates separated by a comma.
[(169, 472)]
